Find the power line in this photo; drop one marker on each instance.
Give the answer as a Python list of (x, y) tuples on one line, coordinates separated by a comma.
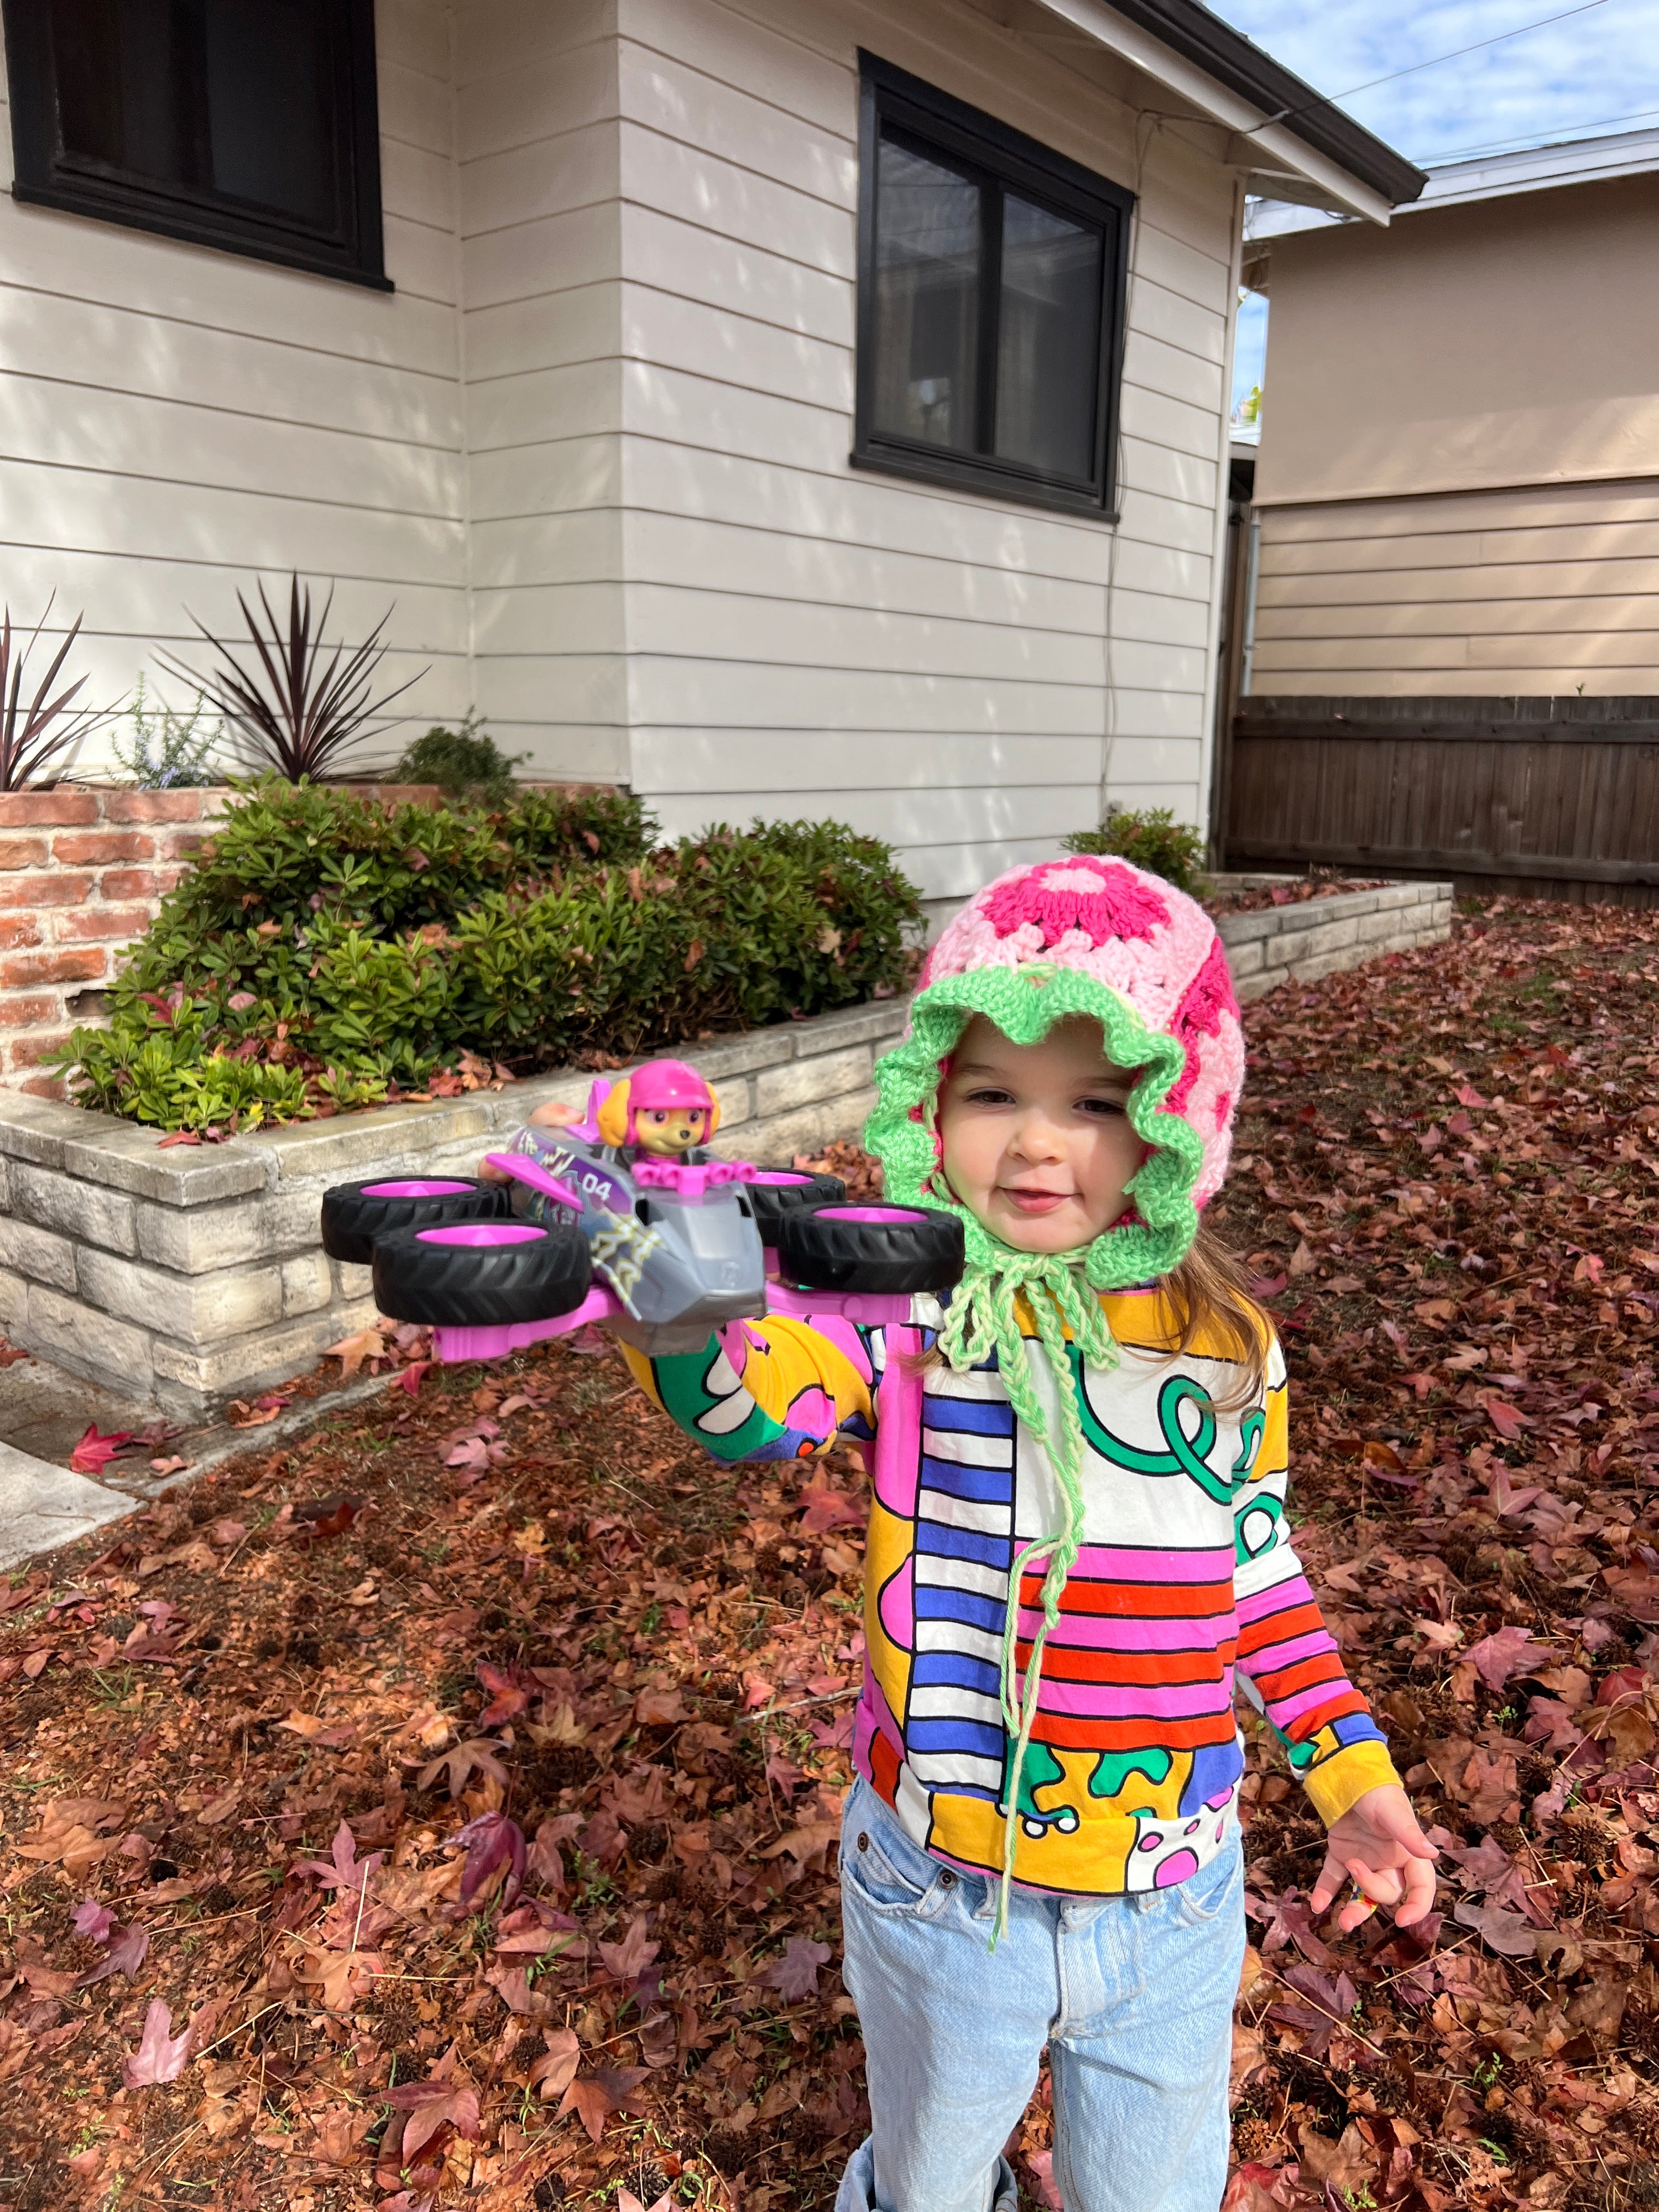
[(1329, 100)]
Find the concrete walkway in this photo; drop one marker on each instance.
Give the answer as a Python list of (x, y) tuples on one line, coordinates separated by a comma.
[(44, 1504)]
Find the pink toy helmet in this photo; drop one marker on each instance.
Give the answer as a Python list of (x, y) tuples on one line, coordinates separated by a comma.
[(659, 1085)]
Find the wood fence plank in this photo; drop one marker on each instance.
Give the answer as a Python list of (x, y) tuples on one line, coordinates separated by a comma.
[(1560, 795)]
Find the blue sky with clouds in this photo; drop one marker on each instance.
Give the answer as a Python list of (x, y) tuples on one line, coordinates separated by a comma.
[(1593, 71)]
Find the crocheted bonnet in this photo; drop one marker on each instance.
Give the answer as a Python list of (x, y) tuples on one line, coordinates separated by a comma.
[(1084, 935)]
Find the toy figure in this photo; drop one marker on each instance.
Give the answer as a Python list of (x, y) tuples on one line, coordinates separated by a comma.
[(664, 1109)]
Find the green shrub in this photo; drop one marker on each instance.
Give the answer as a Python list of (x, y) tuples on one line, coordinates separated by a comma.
[(1152, 839), (166, 751), (323, 952), (464, 763)]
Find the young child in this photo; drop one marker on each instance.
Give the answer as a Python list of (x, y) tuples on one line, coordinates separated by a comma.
[(1077, 1542)]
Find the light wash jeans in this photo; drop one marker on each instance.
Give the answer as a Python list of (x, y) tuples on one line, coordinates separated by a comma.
[(1133, 1994)]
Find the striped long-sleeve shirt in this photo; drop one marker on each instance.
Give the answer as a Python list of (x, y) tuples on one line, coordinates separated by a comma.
[(1188, 1583)]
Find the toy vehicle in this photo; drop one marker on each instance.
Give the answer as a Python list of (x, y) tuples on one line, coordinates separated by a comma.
[(635, 1224)]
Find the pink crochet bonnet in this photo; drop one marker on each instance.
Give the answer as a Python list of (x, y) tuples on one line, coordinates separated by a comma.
[(1085, 935)]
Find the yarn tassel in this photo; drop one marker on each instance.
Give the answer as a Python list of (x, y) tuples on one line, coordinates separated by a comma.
[(980, 1318)]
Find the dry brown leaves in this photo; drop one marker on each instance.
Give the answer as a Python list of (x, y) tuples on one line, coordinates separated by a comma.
[(578, 1698)]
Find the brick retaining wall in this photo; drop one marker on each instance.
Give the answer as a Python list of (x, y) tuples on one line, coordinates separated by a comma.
[(83, 871)]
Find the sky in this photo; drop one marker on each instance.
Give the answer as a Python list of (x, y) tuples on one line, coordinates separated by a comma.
[(1596, 70)]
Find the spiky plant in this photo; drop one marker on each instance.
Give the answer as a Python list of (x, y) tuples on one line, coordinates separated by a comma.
[(304, 707), (35, 736)]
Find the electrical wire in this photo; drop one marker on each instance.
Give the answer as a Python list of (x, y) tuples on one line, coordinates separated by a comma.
[(1329, 100)]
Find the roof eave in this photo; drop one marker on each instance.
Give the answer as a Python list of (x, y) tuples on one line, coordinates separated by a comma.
[(1314, 146)]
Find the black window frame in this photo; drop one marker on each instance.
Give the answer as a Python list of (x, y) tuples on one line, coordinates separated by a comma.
[(995, 154), (353, 251)]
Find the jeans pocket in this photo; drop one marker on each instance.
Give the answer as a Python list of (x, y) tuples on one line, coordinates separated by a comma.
[(1206, 1895), (888, 1872)]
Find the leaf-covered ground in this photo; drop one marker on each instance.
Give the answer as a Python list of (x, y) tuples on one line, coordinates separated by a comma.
[(440, 1809)]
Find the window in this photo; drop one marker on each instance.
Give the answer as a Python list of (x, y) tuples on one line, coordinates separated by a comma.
[(249, 124), (990, 303)]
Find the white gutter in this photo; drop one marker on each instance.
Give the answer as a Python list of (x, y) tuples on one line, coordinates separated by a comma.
[(1264, 149)]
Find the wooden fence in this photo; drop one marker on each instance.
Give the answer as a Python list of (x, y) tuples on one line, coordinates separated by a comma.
[(1544, 797)]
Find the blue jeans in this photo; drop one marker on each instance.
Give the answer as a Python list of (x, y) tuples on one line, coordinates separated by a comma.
[(1133, 1995)]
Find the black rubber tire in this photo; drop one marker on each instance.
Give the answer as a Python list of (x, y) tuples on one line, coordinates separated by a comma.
[(772, 1203), (476, 1286), (353, 1220), (823, 1251)]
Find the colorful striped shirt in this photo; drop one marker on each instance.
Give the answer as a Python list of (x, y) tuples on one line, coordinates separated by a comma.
[(1188, 1583)]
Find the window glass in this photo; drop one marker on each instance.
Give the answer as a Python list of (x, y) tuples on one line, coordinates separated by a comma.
[(270, 105), (247, 125), (927, 289), (1048, 339), (126, 72)]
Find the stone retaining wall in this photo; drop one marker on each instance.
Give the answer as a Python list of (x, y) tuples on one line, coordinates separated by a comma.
[(1300, 944), (194, 1275)]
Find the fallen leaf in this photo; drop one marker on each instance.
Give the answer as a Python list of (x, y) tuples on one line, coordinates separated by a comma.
[(555, 2070), (795, 1975), (161, 2056), (94, 1451), (597, 2096)]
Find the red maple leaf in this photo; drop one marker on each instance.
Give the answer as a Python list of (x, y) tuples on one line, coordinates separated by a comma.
[(94, 1451)]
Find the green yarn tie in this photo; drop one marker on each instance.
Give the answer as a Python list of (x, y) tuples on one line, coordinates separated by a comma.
[(981, 1319)]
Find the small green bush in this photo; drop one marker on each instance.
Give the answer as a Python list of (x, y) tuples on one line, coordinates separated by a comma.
[(167, 750), (464, 763), (1152, 839), (323, 952)]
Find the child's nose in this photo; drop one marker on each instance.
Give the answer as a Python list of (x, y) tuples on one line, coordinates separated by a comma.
[(1037, 1137)]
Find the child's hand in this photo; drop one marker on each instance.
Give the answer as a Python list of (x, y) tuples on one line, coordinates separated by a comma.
[(1377, 1843), (552, 1115)]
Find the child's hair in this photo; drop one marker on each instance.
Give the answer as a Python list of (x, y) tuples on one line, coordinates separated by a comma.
[(1208, 1292)]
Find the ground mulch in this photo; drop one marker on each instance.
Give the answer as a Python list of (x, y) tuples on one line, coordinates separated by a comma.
[(439, 1808)]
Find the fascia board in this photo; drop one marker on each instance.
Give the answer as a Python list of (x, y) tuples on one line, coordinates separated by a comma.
[(1261, 147)]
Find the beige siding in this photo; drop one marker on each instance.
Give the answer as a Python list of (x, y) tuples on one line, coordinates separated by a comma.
[(1536, 590), (177, 423), (595, 445), (540, 249), (948, 671)]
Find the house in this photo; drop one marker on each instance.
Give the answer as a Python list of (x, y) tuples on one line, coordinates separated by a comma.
[(1446, 653), (1457, 482), (775, 407)]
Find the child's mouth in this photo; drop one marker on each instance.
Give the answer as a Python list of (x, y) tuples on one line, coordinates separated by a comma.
[(1033, 1201)]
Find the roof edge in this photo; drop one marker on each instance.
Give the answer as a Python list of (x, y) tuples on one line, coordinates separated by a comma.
[(1249, 71)]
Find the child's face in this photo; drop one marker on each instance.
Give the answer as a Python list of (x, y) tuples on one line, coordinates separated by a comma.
[(1036, 1142)]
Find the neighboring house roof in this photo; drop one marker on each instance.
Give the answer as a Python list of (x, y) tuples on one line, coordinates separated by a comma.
[(1489, 177), (1289, 138)]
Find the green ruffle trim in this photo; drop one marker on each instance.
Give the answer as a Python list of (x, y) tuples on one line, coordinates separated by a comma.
[(1025, 1003)]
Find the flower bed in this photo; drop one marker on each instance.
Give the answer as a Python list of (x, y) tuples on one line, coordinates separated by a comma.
[(323, 952)]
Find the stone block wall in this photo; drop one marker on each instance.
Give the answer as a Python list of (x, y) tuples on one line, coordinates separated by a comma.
[(1299, 944), (189, 1276), (83, 871)]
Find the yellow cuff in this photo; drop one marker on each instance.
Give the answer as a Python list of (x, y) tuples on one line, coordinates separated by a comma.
[(1338, 1783)]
